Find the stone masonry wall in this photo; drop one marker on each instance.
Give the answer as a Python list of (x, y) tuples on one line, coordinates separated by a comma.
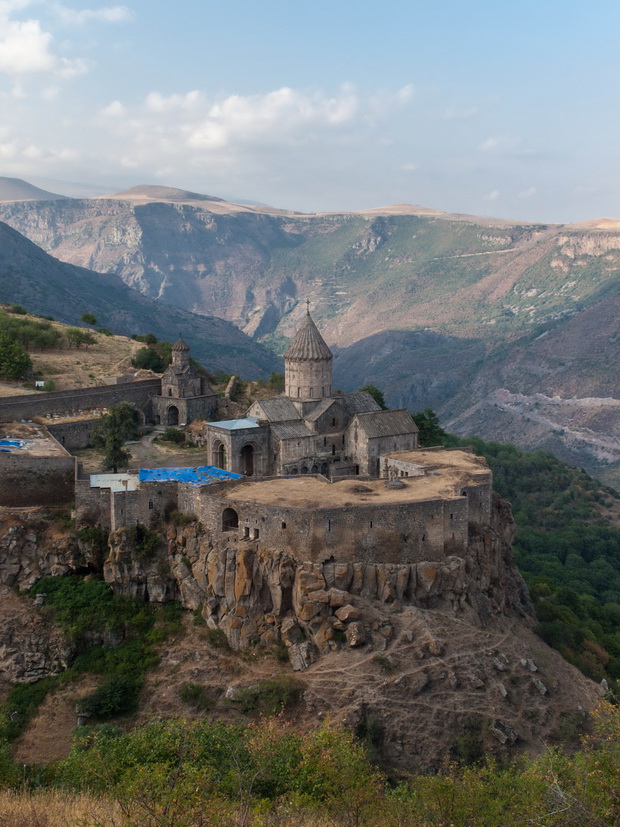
[(34, 480), (14, 408)]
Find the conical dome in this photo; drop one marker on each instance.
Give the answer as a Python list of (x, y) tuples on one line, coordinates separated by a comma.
[(180, 345), (308, 344)]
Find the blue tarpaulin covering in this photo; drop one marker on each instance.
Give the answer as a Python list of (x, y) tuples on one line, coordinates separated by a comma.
[(9, 443), (201, 475)]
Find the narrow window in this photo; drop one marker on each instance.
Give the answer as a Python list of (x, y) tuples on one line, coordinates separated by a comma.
[(329, 525), (333, 449), (334, 422), (324, 441), (298, 392), (256, 534), (370, 524), (311, 392), (150, 505), (283, 525), (423, 537), (343, 439), (246, 531)]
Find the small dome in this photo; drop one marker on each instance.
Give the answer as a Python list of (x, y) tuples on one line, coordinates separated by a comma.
[(180, 345), (308, 344)]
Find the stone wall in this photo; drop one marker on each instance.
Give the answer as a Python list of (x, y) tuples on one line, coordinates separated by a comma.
[(15, 408), (28, 480), (73, 435), (395, 533)]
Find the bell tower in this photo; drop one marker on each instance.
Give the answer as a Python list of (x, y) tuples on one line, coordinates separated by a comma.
[(308, 363)]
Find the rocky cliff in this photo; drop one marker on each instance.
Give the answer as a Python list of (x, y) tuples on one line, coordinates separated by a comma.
[(433, 658)]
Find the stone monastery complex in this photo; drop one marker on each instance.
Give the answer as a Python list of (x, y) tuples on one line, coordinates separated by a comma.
[(312, 473)]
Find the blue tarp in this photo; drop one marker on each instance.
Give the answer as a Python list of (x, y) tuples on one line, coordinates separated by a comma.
[(201, 475), (9, 443)]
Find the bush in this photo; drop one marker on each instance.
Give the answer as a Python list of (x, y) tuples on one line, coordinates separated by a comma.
[(104, 331), (195, 695), (116, 695), (144, 542), (267, 697), (172, 434), (216, 638), (88, 318), (18, 310), (147, 358)]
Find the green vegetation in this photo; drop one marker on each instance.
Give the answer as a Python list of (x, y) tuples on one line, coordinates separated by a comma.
[(566, 549), (76, 337), (195, 695), (568, 552), (112, 431), (179, 772), (147, 358), (111, 636), (31, 335), (88, 318), (14, 361), (268, 696), (172, 434)]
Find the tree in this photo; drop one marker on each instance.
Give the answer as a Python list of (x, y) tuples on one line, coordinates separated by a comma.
[(148, 359), (77, 337), (111, 432), (14, 361), (376, 394), (431, 432), (88, 318)]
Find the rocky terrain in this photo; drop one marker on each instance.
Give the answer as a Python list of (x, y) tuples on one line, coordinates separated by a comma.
[(428, 651), (44, 285), (438, 310)]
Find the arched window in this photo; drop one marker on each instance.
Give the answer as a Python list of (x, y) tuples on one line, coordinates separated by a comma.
[(173, 415), (230, 519), (219, 455), (247, 460)]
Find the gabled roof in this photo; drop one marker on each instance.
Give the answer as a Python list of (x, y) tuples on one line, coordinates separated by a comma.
[(387, 423), (278, 409), (308, 344), (323, 406), (358, 402), (290, 430)]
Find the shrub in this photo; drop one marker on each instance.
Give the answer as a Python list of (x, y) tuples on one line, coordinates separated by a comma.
[(116, 695), (88, 318), (104, 331), (144, 542), (216, 638), (18, 310), (268, 697), (195, 695), (172, 434), (147, 358)]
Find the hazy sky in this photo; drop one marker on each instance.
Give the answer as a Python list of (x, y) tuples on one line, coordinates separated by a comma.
[(478, 106)]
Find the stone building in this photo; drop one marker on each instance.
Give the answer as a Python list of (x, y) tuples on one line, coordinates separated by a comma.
[(185, 394), (310, 429)]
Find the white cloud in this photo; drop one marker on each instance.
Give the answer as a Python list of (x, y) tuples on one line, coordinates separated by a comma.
[(107, 14), (528, 193), (114, 110), (504, 143), (26, 48), (491, 196)]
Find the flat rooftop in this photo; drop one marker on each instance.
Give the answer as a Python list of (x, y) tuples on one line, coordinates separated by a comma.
[(28, 438), (446, 472)]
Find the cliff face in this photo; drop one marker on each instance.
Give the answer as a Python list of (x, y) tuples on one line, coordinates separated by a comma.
[(426, 654), (255, 595)]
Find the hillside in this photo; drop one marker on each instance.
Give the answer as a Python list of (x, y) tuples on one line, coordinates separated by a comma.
[(14, 189), (44, 285), (456, 312)]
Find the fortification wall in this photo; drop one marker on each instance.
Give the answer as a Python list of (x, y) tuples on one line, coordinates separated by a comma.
[(15, 408), (28, 480), (390, 533)]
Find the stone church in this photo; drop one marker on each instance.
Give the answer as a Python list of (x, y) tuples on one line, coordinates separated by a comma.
[(310, 429), (185, 394)]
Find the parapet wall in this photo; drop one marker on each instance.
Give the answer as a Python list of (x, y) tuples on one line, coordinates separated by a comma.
[(391, 533), (36, 480), (16, 408)]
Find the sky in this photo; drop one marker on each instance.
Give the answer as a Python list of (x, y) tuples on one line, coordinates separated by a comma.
[(478, 106)]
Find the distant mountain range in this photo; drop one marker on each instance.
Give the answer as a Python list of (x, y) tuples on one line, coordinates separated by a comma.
[(461, 313), (44, 285)]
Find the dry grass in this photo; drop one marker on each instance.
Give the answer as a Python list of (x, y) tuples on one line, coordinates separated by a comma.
[(51, 808)]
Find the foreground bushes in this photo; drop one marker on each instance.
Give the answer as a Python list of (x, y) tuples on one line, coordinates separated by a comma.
[(208, 773)]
